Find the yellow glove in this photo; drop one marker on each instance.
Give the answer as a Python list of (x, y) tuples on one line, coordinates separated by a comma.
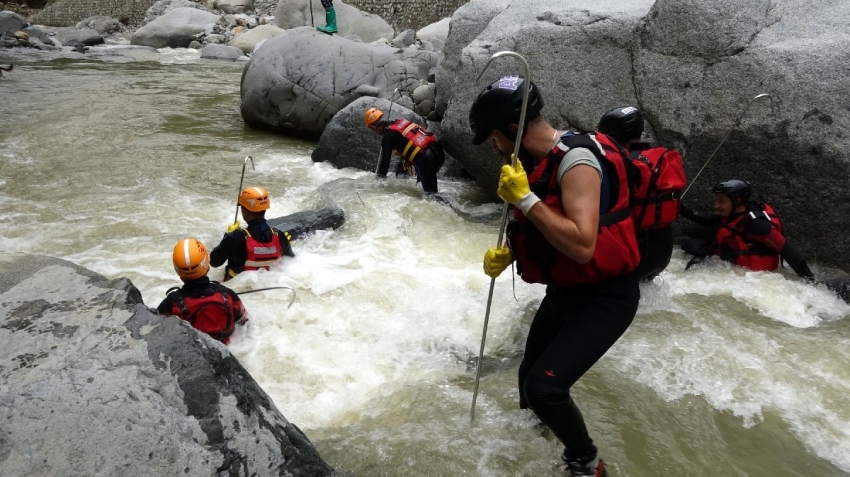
[(496, 260), (514, 189), (234, 226)]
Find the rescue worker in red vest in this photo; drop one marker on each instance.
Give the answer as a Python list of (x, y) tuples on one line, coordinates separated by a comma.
[(419, 148), (654, 210), (573, 232), (748, 234), (208, 306), (258, 245)]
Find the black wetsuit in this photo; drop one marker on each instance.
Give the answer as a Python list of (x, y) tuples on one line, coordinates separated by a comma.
[(233, 248), (427, 163), (572, 330)]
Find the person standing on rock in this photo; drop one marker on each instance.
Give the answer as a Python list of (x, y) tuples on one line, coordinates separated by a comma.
[(208, 306), (330, 18), (255, 247), (573, 232), (419, 148)]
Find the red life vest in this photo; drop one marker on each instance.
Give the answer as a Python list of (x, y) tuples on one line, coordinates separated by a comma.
[(259, 254), (418, 138), (734, 245), (211, 314), (658, 184), (616, 251)]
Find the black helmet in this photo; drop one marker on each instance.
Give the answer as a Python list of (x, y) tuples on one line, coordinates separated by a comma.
[(735, 188), (500, 105), (622, 123)]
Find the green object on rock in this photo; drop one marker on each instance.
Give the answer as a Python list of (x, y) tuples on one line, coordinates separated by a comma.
[(330, 19)]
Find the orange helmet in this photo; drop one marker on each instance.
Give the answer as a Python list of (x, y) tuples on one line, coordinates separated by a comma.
[(191, 259), (372, 115), (255, 199)]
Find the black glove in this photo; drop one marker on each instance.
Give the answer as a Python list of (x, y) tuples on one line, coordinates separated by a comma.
[(696, 246), (686, 211)]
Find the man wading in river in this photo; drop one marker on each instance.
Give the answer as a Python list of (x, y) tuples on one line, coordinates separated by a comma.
[(572, 231)]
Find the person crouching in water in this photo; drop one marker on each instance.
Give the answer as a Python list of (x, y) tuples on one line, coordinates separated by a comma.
[(747, 234), (573, 232), (255, 247), (418, 147), (208, 306)]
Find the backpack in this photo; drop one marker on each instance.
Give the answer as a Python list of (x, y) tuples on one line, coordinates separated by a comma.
[(658, 177)]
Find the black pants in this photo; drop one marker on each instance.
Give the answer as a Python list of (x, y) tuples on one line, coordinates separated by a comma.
[(572, 329), (328, 4), (656, 248), (428, 165)]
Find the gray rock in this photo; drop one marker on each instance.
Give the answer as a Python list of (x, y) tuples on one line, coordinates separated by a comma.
[(367, 90), (426, 92), (221, 52), (438, 31), (248, 40), (141, 393), (215, 39), (247, 20), (102, 24), (175, 29), (424, 108), (301, 78), (74, 36), (230, 6), (161, 7), (350, 20), (38, 33), (11, 21), (305, 222), (404, 39), (195, 45)]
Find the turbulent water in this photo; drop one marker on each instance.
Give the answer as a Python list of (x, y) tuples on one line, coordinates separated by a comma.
[(107, 161)]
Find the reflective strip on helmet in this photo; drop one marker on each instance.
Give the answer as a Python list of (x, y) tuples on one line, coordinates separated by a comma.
[(186, 257)]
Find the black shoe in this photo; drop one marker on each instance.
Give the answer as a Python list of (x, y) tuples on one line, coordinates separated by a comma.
[(594, 468)]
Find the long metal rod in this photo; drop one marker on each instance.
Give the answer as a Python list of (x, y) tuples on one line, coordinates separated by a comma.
[(734, 126), (271, 288), (504, 223), (239, 192), (381, 150)]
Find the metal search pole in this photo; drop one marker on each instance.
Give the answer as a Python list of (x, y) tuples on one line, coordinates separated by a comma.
[(734, 126), (271, 288), (504, 223), (381, 150), (239, 192)]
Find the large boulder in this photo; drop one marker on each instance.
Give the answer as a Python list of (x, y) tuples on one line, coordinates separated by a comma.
[(699, 64), (692, 66), (578, 53), (94, 383), (175, 29), (11, 21), (350, 20), (249, 39), (298, 80)]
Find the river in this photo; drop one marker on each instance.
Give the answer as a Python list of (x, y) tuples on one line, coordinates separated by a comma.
[(106, 161)]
